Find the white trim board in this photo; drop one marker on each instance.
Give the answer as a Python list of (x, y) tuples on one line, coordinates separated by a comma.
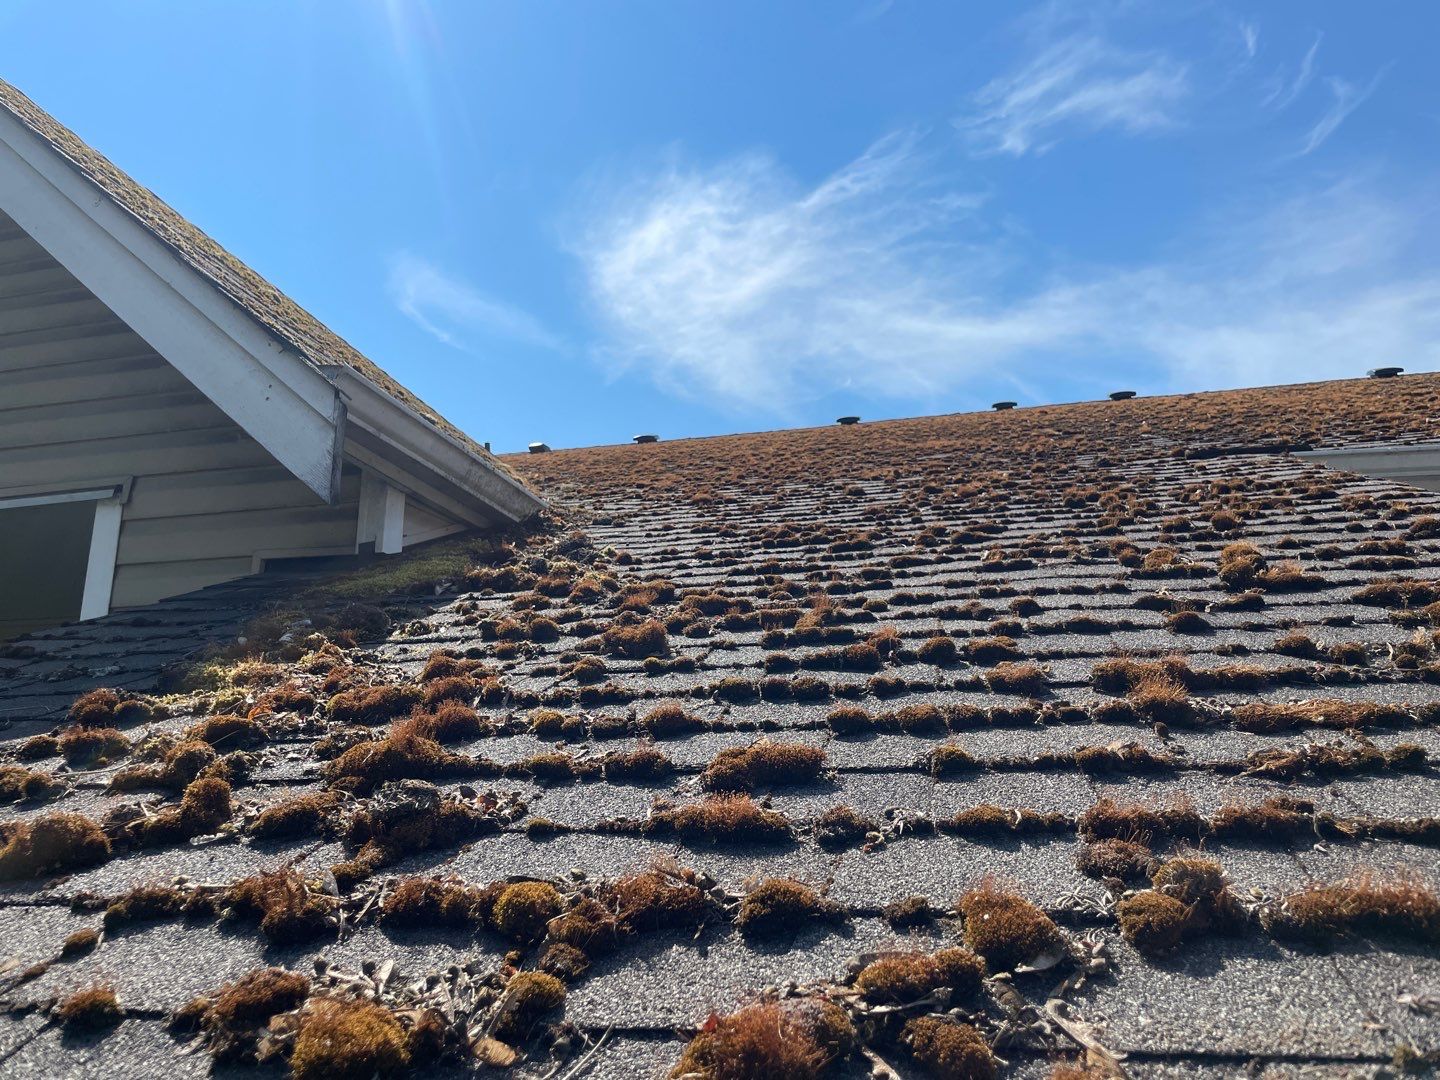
[(100, 567)]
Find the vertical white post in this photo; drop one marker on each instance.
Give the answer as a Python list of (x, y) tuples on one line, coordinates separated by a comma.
[(372, 508), (382, 516), (100, 567), (391, 537)]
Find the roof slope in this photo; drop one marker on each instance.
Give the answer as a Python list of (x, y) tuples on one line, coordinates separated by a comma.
[(276, 313), (996, 638)]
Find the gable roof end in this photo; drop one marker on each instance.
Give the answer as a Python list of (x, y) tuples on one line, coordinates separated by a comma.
[(273, 367)]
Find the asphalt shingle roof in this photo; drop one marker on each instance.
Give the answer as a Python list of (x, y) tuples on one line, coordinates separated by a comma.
[(761, 585)]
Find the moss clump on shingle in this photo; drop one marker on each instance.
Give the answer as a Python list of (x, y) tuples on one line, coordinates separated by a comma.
[(182, 764), (763, 764), (1141, 822), (529, 995), (91, 1009), (949, 1051), (289, 910), (636, 639), (51, 845), (908, 912), (939, 650), (1017, 678), (524, 909), (80, 943), (205, 807), (565, 962), (424, 901), (643, 765), (722, 819), (92, 747), (1153, 922), (146, 902), (782, 906), (951, 758), (372, 704), (850, 720), (227, 732), (1005, 928), (94, 709), (302, 815), (669, 720), (401, 755), (1364, 903), (769, 1039), (234, 1017), (1122, 859), (840, 827), (987, 819), (344, 1038), (385, 838), (902, 977), (451, 721), (658, 899), (1276, 819), (19, 784)]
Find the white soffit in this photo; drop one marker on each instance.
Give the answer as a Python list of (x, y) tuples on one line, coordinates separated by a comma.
[(283, 402)]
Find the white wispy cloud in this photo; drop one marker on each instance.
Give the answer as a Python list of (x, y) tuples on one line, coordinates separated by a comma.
[(456, 312), (734, 283), (1284, 92), (1345, 98), (1250, 35), (1079, 83)]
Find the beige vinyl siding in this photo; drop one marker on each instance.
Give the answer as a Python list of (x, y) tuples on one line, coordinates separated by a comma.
[(84, 398)]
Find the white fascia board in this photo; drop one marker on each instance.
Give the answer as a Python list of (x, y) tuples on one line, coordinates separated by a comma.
[(278, 397), (1417, 464), (415, 439)]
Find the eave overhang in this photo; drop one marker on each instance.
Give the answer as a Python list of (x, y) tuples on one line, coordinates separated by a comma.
[(1417, 464)]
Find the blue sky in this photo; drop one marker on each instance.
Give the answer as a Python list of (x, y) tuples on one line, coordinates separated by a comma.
[(579, 221)]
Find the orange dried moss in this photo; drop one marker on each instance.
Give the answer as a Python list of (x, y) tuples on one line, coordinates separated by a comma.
[(529, 995), (1017, 678), (781, 905), (340, 1038), (94, 709), (1005, 928), (657, 899), (668, 720), (372, 704), (637, 640), (289, 910), (92, 746), (769, 1040), (401, 755), (91, 1009), (54, 844), (424, 902), (902, 977), (763, 764), (303, 815), (233, 1020), (1364, 903), (523, 910), (950, 1051), (19, 784), (722, 819)]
